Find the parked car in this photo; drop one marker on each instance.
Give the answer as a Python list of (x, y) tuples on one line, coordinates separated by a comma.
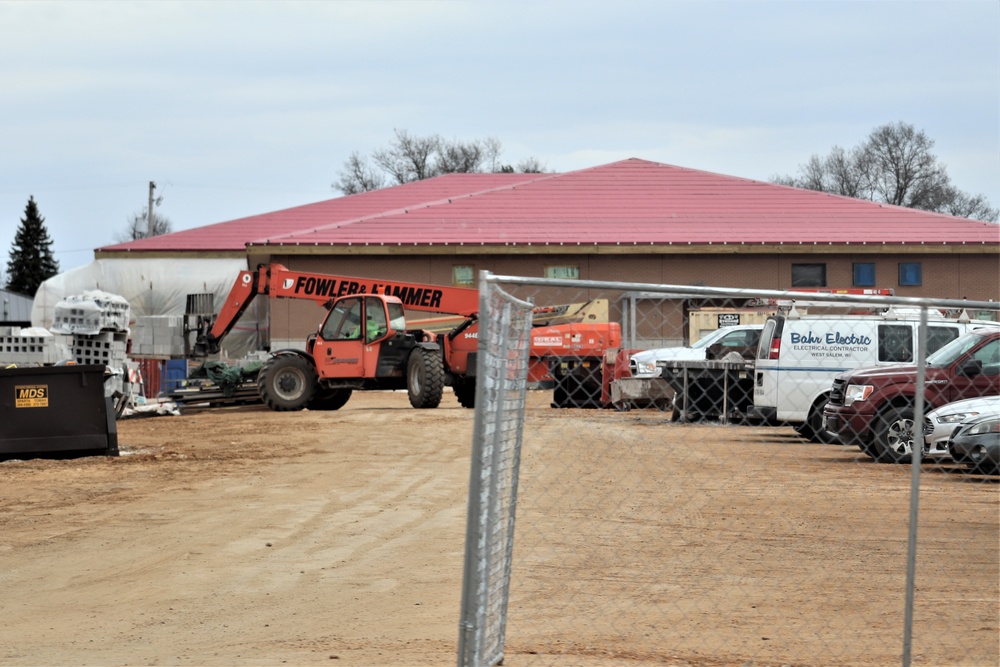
[(741, 339), (941, 423), (873, 407), (977, 444)]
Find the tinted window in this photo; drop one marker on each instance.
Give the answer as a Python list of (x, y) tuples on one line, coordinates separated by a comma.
[(808, 275), (989, 354), (344, 321), (938, 337), (950, 353), (739, 339), (375, 322), (895, 343)]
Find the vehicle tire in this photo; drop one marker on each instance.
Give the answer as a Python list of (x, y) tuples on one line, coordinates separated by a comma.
[(560, 399), (982, 467), (330, 399), (893, 442), (817, 427), (955, 456), (286, 382), (425, 378), (465, 391), (867, 448)]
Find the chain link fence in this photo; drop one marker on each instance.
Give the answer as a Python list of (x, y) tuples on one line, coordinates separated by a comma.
[(734, 498)]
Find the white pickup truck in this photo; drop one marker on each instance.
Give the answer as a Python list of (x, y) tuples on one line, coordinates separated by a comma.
[(741, 339)]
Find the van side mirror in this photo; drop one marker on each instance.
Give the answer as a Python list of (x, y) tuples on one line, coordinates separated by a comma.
[(970, 368)]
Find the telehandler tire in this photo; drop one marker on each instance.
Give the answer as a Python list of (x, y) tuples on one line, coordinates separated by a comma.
[(330, 399), (286, 382), (425, 378), (465, 391)]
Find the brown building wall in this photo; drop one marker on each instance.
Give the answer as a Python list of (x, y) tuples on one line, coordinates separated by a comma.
[(952, 276)]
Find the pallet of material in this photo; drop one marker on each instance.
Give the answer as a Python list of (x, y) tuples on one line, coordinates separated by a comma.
[(214, 395)]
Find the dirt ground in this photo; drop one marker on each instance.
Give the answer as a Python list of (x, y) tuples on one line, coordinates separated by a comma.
[(239, 536)]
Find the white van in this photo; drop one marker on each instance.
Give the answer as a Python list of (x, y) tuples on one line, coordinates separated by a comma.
[(798, 357)]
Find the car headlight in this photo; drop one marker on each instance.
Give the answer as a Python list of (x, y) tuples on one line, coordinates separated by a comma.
[(857, 392), (645, 367), (988, 426), (956, 417)]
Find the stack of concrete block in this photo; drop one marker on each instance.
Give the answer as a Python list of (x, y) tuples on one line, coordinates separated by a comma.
[(159, 336), (107, 348), (98, 325), (91, 313), (31, 347)]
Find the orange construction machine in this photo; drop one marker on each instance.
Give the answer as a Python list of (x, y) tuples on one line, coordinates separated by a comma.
[(364, 343)]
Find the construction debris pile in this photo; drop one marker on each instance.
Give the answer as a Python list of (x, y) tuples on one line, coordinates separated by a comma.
[(91, 328)]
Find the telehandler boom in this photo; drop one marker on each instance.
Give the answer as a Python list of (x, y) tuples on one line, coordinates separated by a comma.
[(364, 343)]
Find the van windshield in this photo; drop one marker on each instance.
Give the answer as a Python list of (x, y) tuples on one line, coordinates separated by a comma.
[(951, 352)]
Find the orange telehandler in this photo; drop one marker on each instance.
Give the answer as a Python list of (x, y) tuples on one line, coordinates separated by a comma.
[(364, 343)]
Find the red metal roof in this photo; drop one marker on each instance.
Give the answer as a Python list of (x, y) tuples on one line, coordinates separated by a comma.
[(632, 202), (235, 234)]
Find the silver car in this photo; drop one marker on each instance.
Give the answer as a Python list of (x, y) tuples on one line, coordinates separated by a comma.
[(941, 423), (977, 443)]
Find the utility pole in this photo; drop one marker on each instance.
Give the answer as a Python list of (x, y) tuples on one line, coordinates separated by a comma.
[(149, 211)]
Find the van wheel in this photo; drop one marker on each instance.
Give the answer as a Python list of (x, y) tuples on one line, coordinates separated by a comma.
[(893, 441), (817, 426), (425, 378)]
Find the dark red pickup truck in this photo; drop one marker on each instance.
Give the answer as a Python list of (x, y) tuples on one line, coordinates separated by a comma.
[(873, 407)]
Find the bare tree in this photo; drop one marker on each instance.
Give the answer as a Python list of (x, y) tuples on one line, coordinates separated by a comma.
[(531, 165), (138, 226), (967, 206), (358, 176), (894, 165), (410, 158)]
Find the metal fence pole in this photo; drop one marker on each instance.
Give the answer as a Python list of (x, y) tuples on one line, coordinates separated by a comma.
[(917, 450)]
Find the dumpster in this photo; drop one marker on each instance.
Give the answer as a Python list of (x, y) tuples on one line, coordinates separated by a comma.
[(51, 409)]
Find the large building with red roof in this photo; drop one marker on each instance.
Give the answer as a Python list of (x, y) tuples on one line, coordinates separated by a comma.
[(633, 220)]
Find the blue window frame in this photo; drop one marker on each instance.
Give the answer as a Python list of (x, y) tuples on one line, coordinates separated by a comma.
[(911, 274), (864, 274)]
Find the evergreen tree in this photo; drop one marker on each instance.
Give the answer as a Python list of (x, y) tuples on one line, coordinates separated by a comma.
[(31, 261)]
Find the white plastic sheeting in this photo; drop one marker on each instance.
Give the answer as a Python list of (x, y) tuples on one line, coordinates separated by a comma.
[(158, 287)]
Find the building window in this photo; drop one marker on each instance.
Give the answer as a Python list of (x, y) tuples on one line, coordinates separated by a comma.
[(463, 275), (562, 272), (911, 274), (864, 274), (808, 275)]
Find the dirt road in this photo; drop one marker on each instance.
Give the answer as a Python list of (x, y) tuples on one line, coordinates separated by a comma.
[(239, 536)]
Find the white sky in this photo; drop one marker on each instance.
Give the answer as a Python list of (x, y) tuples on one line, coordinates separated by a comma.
[(240, 108)]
